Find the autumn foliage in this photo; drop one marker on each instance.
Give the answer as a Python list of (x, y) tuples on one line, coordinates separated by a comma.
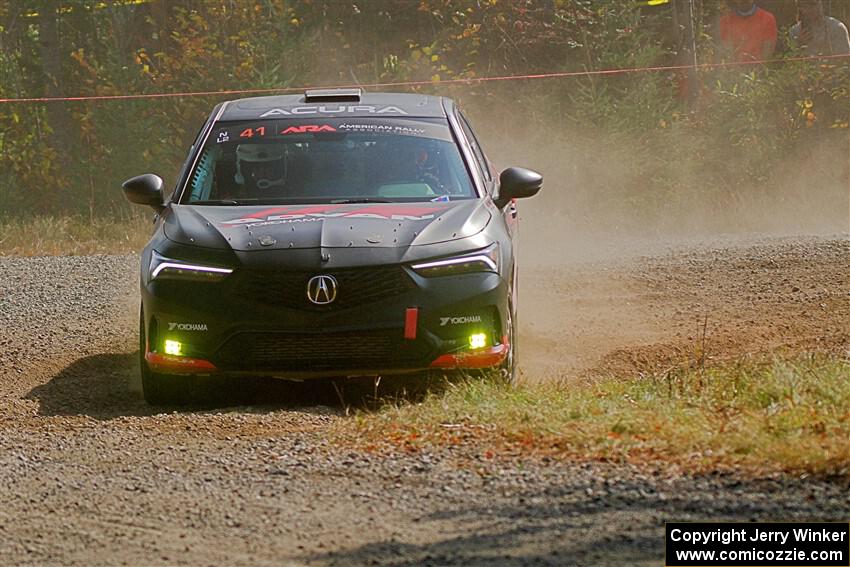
[(71, 156)]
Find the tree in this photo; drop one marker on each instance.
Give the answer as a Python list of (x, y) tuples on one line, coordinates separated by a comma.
[(59, 117)]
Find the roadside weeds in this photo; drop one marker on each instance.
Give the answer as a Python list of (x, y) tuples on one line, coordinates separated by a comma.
[(762, 415), (73, 235)]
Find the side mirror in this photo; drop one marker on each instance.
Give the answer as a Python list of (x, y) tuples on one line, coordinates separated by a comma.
[(517, 183), (144, 190)]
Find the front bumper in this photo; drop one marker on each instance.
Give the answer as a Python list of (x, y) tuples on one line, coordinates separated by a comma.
[(233, 328)]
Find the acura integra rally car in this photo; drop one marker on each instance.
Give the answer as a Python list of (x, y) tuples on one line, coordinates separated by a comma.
[(334, 233)]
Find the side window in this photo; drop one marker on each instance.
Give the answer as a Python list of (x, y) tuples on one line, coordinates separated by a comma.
[(476, 147), (201, 182), (199, 139)]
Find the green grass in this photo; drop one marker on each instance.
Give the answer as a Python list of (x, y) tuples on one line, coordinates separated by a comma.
[(791, 415), (42, 236)]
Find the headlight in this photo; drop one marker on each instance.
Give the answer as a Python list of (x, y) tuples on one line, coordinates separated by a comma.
[(166, 268), (486, 260)]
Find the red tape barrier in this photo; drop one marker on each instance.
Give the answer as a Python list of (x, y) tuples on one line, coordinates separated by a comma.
[(620, 71)]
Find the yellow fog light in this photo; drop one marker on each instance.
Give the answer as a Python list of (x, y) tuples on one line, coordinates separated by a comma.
[(173, 348), (478, 340)]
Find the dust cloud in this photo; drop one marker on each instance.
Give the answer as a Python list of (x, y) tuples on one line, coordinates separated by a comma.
[(608, 246), (606, 197)]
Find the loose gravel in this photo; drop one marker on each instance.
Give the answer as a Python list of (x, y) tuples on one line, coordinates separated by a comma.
[(91, 475)]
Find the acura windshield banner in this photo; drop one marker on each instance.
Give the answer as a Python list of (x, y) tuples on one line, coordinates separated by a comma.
[(759, 545)]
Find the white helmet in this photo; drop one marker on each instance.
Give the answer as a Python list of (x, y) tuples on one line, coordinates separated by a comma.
[(263, 163)]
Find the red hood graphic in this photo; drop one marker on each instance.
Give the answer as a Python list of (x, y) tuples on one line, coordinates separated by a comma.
[(367, 225), (388, 211)]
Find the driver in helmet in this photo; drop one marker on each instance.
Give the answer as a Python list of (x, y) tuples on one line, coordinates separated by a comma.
[(260, 169)]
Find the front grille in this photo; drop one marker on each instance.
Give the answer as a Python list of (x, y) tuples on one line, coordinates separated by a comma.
[(319, 352), (356, 287)]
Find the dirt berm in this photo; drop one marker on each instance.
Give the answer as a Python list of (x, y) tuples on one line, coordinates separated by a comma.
[(89, 475)]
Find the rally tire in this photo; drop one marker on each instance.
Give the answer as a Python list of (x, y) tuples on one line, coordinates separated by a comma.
[(161, 389), (509, 369)]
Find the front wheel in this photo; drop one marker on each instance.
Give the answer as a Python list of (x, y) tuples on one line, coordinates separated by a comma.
[(508, 371), (161, 389)]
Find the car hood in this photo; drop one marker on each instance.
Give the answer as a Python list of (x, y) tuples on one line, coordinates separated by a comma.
[(371, 225)]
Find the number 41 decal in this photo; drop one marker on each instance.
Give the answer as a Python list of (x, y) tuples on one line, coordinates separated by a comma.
[(251, 132)]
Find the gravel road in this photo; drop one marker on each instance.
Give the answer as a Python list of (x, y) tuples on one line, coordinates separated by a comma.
[(90, 475)]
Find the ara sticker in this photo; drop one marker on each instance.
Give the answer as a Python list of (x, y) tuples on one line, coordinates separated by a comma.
[(308, 129)]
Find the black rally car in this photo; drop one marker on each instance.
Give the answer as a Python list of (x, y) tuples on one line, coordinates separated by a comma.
[(334, 233)]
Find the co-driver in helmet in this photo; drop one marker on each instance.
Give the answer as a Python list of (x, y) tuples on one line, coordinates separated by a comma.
[(408, 160)]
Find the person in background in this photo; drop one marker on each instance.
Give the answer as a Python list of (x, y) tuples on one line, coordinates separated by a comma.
[(747, 33), (817, 33)]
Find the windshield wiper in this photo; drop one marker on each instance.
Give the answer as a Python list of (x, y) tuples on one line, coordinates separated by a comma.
[(359, 200)]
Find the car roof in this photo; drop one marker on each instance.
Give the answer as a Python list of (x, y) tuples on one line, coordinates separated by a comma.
[(335, 103)]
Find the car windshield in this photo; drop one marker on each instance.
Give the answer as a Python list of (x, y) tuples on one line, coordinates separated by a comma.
[(329, 160)]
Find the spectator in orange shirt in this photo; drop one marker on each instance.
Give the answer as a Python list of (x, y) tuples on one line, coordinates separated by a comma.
[(747, 32)]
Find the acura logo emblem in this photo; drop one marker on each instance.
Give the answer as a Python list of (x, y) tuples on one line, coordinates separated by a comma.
[(321, 290)]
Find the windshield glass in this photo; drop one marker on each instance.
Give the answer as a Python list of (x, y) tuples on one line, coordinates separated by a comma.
[(329, 160)]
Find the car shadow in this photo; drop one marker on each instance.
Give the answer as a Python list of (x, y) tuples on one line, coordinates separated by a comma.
[(106, 386), (550, 524), (557, 526)]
